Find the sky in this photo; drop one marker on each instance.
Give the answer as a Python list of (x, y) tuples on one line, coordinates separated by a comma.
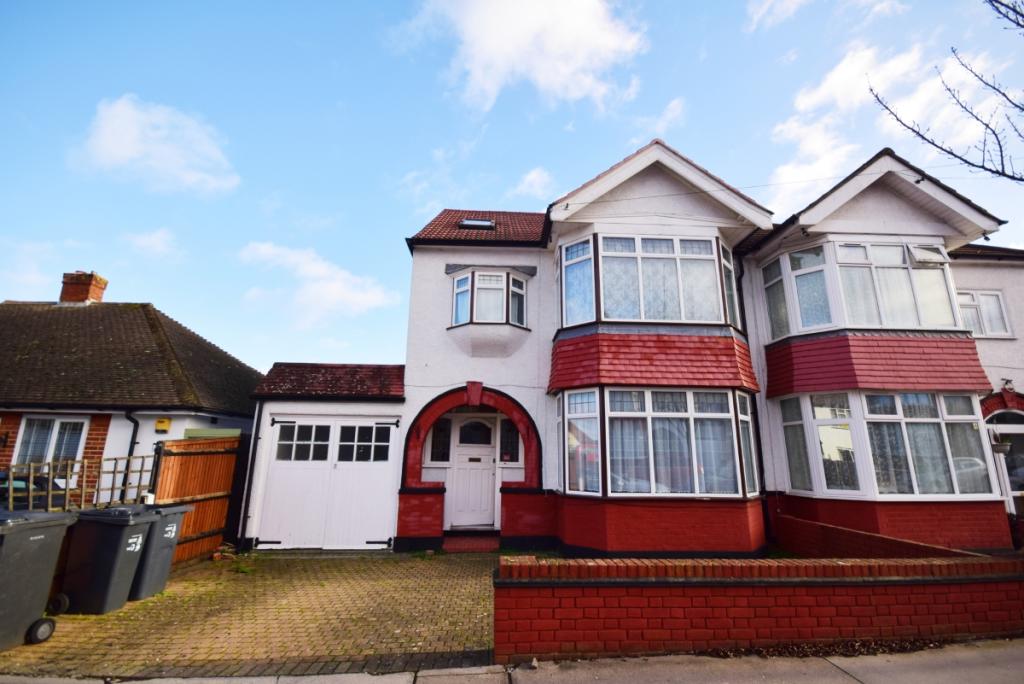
[(252, 168)]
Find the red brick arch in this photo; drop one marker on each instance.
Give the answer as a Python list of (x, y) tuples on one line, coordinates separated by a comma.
[(1004, 400), (473, 394)]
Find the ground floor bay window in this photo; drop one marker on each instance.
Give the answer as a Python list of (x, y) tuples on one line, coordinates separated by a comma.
[(671, 442), (886, 445)]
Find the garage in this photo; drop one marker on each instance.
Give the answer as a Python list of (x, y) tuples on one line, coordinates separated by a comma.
[(326, 464)]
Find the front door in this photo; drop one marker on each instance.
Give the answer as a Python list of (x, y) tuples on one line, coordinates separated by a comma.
[(469, 500)]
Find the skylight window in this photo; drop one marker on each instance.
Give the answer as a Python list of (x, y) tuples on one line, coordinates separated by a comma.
[(476, 224)]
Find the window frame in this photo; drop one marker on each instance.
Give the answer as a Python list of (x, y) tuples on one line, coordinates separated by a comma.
[(477, 286), (976, 304), (567, 418), (473, 286), (456, 291), (51, 442), (565, 264), (784, 447), (815, 439), (334, 424)]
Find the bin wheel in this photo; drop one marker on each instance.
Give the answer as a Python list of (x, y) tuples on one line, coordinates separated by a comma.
[(41, 630), (58, 605)]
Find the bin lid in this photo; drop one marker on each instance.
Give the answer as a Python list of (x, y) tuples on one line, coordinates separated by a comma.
[(170, 509), (120, 515), (11, 521)]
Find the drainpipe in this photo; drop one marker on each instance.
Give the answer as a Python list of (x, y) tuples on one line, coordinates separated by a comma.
[(131, 452), (248, 478)]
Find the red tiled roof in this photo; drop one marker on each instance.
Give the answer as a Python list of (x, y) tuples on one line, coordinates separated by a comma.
[(660, 360), (976, 251), (333, 381), (509, 227), (909, 361)]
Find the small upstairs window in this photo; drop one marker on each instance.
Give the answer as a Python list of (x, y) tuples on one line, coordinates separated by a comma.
[(489, 297), (984, 313)]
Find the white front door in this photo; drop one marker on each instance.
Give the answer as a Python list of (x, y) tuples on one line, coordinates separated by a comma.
[(469, 499), (331, 484)]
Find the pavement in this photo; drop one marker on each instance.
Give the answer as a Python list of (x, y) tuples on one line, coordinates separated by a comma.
[(979, 662), (284, 614)]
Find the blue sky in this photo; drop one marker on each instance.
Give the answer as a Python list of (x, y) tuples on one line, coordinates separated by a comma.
[(252, 167)]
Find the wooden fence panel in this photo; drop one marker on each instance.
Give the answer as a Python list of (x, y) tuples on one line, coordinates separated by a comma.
[(198, 472)]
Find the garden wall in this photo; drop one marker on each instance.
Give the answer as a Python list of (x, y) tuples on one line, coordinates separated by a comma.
[(558, 608)]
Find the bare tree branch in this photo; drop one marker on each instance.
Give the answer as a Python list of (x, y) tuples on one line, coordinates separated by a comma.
[(1012, 12)]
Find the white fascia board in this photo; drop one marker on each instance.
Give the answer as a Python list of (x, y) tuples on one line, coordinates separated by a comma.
[(568, 206), (867, 177)]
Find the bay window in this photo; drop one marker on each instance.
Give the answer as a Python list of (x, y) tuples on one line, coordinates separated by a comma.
[(668, 441), (984, 313), (915, 444), (879, 286), (489, 297), (729, 278), (577, 283)]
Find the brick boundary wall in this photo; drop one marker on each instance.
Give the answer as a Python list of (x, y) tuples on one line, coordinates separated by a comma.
[(810, 539), (561, 608)]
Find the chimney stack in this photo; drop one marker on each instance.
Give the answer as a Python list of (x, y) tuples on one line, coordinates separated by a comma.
[(82, 288)]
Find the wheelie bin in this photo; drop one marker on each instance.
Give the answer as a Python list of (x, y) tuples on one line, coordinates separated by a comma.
[(104, 553), (30, 544), (155, 565)]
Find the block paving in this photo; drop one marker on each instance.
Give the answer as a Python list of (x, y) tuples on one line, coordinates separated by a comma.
[(273, 614)]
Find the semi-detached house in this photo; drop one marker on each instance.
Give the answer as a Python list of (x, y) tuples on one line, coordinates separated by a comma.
[(652, 365)]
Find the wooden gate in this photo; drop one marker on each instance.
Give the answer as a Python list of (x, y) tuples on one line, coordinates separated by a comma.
[(199, 472)]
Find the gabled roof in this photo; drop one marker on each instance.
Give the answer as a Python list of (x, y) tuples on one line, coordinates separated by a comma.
[(973, 219), (333, 381), (657, 151), (114, 355), (987, 253), (511, 228)]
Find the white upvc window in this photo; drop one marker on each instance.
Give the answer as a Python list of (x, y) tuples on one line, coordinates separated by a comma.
[(795, 441), (660, 279), (732, 306), (927, 443), (807, 271), (831, 420), (984, 313), (896, 285), (488, 296), (775, 296), (748, 449), (577, 283), (582, 442), (45, 439)]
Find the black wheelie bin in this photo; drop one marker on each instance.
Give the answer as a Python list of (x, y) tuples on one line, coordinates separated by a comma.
[(104, 553), (30, 544), (155, 566)]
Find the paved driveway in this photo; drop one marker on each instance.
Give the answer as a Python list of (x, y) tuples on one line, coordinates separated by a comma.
[(284, 615)]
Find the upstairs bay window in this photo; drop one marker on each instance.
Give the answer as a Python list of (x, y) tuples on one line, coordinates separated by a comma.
[(892, 286), (578, 283), (489, 297)]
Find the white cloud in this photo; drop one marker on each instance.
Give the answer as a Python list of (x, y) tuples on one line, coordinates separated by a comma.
[(435, 186), (672, 116), (789, 56), (768, 13), (323, 289), (565, 49), (536, 182), (821, 155), (160, 242), (877, 9), (158, 145), (846, 85)]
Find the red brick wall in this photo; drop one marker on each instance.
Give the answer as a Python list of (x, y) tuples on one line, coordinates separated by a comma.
[(529, 515), (652, 525), (563, 608), (953, 524), (662, 360), (817, 540), (925, 361), (95, 443), (10, 424), (420, 515)]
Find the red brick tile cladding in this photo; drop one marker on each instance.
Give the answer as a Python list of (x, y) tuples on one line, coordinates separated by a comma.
[(332, 381), (509, 226), (650, 359), (844, 361), (953, 524), (556, 608)]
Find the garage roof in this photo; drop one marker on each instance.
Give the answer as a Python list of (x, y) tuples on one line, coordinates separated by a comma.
[(333, 382)]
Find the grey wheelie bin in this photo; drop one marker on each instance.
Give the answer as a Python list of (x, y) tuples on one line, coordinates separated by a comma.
[(155, 566), (105, 550), (30, 544)]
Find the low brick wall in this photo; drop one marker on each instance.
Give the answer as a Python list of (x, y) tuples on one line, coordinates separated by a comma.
[(558, 608), (809, 539)]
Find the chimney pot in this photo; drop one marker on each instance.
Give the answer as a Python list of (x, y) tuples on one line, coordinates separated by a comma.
[(82, 288)]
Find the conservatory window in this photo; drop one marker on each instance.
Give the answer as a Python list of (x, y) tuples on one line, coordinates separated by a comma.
[(831, 414), (578, 284), (922, 443), (796, 445), (984, 313), (660, 279)]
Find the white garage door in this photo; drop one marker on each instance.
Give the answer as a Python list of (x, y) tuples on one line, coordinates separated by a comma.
[(332, 483)]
